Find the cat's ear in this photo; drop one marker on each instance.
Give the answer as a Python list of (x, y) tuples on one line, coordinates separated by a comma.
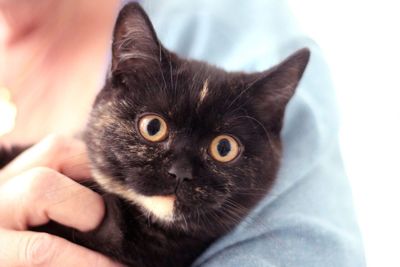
[(273, 88), (135, 43)]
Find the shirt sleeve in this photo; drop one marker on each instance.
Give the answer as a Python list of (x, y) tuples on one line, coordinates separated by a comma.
[(307, 219)]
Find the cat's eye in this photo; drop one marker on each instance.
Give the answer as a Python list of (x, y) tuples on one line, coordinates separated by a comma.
[(153, 128), (224, 148)]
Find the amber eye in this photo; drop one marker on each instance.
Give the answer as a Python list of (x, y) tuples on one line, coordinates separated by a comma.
[(153, 128), (224, 148)]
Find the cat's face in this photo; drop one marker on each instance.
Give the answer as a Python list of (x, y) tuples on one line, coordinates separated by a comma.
[(190, 144)]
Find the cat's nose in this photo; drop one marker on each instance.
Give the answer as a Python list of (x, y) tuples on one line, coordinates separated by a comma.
[(181, 172)]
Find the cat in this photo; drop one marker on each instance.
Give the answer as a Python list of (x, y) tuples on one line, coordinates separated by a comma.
[(181, 150)]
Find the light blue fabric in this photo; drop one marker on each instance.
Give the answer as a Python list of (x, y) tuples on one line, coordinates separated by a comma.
[(307, 219)]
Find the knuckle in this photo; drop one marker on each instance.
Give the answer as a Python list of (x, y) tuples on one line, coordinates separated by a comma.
[(41, 176), (40, 249), (38, 180), (55, 144)]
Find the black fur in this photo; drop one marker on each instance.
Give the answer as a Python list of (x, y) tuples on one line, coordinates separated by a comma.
[(146, 78)]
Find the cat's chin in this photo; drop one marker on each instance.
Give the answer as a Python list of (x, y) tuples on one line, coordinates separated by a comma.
[(161, 207)]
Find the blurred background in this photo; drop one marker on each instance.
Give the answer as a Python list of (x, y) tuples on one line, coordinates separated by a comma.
[(361, 42)]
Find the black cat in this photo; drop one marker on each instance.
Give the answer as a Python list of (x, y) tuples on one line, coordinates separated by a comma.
[(181, 150)]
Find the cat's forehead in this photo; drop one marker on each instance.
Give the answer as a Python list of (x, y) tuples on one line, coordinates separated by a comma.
[(189, 94), (203, 95), (204, 84)]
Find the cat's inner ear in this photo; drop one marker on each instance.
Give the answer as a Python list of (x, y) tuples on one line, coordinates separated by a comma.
[(135, 43), (273, 88)]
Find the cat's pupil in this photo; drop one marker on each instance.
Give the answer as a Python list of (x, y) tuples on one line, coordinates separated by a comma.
[(153, 127), (224, 147)]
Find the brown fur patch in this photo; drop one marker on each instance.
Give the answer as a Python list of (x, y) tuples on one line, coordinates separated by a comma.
[(203, 92)]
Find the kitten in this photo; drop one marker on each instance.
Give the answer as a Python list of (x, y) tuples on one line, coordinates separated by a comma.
[(182, 150)]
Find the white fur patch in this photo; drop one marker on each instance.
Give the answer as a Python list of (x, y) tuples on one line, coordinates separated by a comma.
[(162, 207)]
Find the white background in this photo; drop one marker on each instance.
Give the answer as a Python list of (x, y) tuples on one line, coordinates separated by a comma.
[(361, 42)]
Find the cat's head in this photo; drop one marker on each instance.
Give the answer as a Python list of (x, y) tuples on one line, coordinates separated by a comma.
[(194, 146)]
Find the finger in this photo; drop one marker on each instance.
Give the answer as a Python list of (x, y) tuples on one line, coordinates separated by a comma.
[(39, 195), (44, 250), (66, 155)]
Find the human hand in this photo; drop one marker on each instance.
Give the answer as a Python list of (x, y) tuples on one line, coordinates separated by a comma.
[(35, 188)]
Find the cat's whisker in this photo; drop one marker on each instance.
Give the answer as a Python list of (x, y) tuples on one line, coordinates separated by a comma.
[(170, 71), (217, 218), (251, 220), (233, 206)]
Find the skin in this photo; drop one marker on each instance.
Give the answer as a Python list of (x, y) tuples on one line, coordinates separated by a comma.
[(53, 53), (41, 185), (49, 41)]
